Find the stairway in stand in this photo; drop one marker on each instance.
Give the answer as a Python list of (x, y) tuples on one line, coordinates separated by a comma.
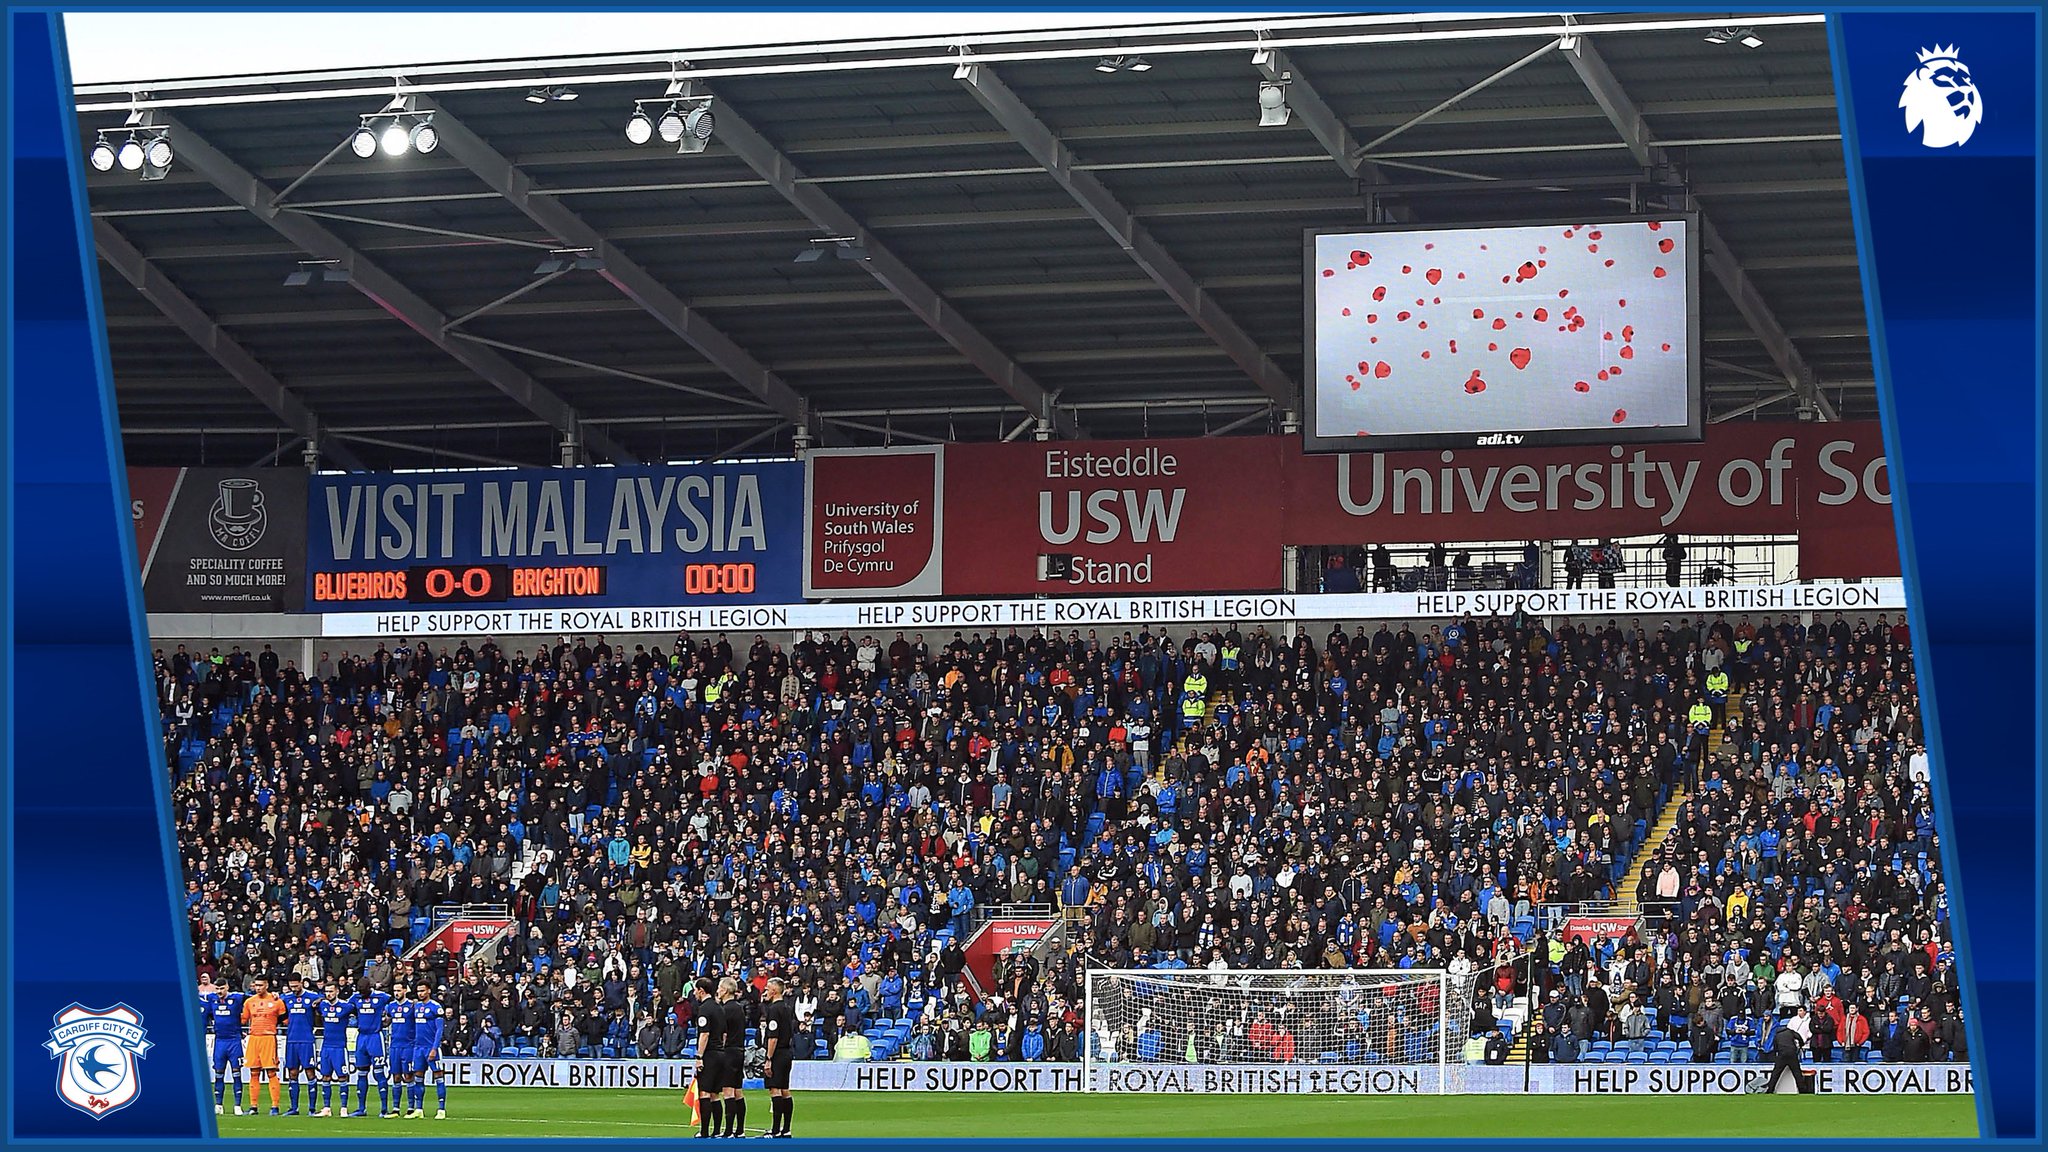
[(1626, 902)]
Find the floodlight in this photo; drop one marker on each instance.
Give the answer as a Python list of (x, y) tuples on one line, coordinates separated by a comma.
[(639, 129), (130, 154), (671, 125), (1273, 109), (156, 158), (424, 138), (363, 143), (395, 139), (102, 156)]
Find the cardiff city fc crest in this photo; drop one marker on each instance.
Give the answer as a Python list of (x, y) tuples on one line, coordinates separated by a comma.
[(96, 1053)]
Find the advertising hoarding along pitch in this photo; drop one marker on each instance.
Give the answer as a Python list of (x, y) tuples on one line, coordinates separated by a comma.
[(557, 538), (218, 539), (944, 617), (894, 1077)]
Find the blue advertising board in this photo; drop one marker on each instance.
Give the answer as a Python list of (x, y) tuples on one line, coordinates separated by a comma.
[(557, 537)]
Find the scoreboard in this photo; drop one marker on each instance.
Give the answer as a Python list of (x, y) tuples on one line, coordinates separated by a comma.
[(581, 538), (504, 583)]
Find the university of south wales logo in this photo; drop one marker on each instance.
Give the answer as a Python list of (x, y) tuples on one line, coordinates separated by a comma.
[(96, 1053), (1941, 101)]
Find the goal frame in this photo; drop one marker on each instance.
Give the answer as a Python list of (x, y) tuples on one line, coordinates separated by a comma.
[(1444, 982)]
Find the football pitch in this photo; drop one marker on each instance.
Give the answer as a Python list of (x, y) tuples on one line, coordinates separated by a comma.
[(526, 1113)]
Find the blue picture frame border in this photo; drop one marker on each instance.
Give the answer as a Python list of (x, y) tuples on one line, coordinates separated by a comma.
[(2008, 1068)]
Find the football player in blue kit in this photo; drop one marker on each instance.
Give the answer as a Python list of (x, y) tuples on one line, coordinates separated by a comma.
[(223, 1010), (371, 1007), (301, 1010), (429, 1024), (335, 1015), (401, 1047)]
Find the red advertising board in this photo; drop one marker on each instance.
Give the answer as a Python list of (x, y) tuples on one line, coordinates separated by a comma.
[(1136, 516), (456, 934), (1826, 482), (1212, 515), (995, 938), (149, 498), (1598, 927), (872, 524)]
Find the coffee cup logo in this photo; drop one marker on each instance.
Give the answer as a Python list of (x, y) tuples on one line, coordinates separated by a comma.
[(237, 517)]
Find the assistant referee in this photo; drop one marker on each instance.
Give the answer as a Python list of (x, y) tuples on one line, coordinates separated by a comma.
[(710, 1023), (778, 1024)]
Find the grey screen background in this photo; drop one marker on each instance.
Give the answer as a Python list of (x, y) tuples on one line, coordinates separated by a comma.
[(1469, 380)]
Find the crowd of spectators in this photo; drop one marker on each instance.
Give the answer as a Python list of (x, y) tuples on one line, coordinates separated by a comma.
[(1804, 870), (843, 810)]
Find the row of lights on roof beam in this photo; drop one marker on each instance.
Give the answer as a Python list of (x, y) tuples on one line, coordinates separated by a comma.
[(679, 117), (685, 120), (141, 145), (395, 130)]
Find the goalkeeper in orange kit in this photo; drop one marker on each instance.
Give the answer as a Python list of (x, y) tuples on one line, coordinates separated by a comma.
[(260, 1014)]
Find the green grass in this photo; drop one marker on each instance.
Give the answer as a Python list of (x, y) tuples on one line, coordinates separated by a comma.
[(532, 1112)]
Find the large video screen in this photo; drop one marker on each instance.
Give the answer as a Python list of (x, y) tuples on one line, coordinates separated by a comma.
[(1555, 333)]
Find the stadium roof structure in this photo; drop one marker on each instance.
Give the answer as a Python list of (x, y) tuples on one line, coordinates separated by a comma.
[(1089, 229)]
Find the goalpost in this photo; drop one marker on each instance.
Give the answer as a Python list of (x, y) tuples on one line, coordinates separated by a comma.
[(1338, 1029)]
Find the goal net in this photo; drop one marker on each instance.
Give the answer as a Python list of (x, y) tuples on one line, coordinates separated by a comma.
[(1325, 1030)]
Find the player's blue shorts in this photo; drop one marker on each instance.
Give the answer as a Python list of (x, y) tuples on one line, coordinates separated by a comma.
[(333, 1059), (298, 1054), (226, 1050), (423, 1062), (369, 1050)]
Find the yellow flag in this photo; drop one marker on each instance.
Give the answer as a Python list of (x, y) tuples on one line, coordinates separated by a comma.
[(691, 1098)]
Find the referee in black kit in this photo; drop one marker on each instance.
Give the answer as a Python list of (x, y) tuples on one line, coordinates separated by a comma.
[(710, 1021), (732, 1055), (778, 1026)]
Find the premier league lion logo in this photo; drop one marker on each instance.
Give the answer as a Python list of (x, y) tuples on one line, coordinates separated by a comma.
[(96, 1053), (1941, 100)]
